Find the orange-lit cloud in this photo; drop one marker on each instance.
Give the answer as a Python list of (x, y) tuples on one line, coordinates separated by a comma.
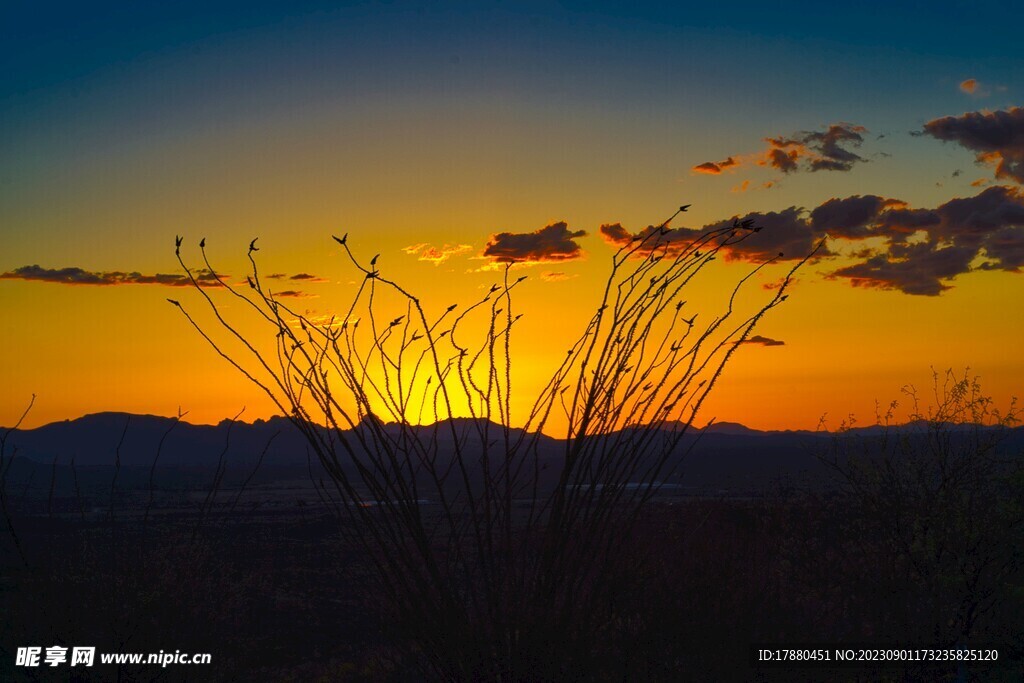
[(436, 255), (977, 89), (299, 277), (996, 138), (552, 243), (783, 154), (79, 276), (825, 150), (672, 241), (746, 185), (921, 250), (783, 235), (715, 167), (989, 225), (555, 276)]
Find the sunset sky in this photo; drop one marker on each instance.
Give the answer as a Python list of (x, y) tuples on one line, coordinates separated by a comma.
[(441, 135)]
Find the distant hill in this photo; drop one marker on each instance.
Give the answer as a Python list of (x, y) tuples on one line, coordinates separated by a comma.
[(725, 457)]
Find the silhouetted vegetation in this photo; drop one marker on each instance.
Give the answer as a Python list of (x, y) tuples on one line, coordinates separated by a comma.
[(508, 580), (437, 537)]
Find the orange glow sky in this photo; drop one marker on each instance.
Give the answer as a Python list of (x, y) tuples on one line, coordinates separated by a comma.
[(412, 126)]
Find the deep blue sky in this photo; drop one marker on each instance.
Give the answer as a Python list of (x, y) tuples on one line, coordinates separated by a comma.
[(46, 43)]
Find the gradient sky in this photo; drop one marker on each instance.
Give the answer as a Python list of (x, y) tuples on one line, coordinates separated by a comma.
[(403, 124)]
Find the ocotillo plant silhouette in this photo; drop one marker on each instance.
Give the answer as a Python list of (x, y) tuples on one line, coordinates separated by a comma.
[(509, 574)]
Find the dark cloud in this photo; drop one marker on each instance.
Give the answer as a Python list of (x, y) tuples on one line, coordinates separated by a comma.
[(849, 218), (826, 150), (552, 243), (969, 221), (79, 276), (298, 277), (554, 276), (714, 167), (900, 222), (764, 341), (672, 241), (1006, 247), (913, 269), (785, 232), (782, 154), (293, 294), (831, 147), (912, 250), (989, 226), (996, 138)]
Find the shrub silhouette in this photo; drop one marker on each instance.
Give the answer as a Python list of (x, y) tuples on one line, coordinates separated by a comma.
[(499, 558), (932, 512)]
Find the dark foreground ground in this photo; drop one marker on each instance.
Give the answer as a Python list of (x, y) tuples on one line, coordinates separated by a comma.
[(268, 588)]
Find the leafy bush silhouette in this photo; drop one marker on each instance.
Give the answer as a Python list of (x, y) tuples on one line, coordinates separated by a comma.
[(499, 558)]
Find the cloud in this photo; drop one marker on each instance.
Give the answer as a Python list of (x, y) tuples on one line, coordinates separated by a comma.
[(672, 241), (552, 243), (977, 89), (299, 277), (849, 218), (912, 250), (996, 138), (764, 341), (715, 167), (782, 154), (785, 232), (912, 269), (989, 225), (1006, 246), (970, 221), (555, 277), (830, 146), (79, 276), (900, 222), (826, 150), (830, 149), (746, 185), (436, 255), (294, 294)]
